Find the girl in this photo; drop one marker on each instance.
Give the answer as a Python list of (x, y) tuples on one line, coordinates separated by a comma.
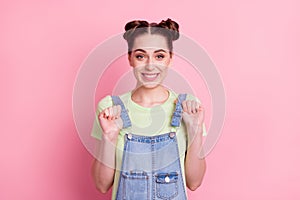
[(149, 138)]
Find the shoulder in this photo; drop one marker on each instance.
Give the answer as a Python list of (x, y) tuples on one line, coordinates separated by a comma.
[(190, 97), (125, 96), (106, 101)]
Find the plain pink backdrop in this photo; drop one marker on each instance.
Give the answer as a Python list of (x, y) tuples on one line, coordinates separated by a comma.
[(254, 44)]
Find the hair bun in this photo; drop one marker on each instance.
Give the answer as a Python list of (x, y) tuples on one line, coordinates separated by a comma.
[(172, 25), (131, 26)]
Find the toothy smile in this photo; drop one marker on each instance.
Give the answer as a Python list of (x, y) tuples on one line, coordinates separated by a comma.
[(150, 76)]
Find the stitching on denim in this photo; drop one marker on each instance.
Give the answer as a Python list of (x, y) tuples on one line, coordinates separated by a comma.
[(124, 177), (149, 139), (153, 165), (122, 168), (158, 186), (124, 114), (143, 177), (178, 159), (177, 114)]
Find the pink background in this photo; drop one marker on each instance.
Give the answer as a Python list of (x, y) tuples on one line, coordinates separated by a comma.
[(255, 45)]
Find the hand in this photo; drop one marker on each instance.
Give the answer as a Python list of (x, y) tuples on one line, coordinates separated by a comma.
[(111, 122), (193, 115)]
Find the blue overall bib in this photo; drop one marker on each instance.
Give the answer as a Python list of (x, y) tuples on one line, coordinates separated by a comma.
[(151, 164)]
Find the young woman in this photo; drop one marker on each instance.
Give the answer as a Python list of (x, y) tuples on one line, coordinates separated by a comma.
[(150, 138)]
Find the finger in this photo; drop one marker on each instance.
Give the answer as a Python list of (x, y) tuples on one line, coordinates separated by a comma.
[(119, 120), (101, 115), (119, 123), (197, 106), (111, 114), (106, 113), (193, 107), (201, 109), (184, 107), (115, 112), (189, 107), (119, 109)]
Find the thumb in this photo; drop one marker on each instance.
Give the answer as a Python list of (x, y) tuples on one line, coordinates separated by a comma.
[(119, 122), (184, 114)]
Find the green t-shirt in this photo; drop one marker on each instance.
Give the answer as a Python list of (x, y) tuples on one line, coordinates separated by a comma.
[(145, 121)]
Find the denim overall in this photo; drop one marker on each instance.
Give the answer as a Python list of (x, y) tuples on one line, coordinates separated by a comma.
[(151, 164)]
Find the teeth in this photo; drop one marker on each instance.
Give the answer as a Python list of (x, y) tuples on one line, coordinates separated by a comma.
[(150, 75)]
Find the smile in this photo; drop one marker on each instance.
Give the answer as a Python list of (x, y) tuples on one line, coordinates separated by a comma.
[(150, 76)]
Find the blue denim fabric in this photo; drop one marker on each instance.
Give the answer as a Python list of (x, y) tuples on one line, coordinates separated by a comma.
[(178, 110), (124, 114), (151, 166)]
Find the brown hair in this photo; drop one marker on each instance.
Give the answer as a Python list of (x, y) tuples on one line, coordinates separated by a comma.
[(169, 29)]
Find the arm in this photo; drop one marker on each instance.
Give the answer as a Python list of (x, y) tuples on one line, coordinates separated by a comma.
[(195, 166), (103, 168)]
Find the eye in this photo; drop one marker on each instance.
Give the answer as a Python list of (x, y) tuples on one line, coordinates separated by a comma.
[(139, 56), (160, 56)]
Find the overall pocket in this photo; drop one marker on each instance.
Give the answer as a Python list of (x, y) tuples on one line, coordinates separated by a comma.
[(135, 185), (166, 185)]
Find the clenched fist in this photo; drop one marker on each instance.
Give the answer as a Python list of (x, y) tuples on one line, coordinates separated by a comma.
[(111, 122), (193, 114)]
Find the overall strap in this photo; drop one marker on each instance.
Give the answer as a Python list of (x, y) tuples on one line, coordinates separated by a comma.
[(176, 118), (124, 113)]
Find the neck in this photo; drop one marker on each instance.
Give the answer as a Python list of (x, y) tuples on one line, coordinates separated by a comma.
[(149, 97)]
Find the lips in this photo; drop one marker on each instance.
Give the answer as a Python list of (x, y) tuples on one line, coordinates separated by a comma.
[(150, 76)]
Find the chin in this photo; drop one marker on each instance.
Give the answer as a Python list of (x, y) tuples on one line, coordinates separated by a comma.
[(150, 85)]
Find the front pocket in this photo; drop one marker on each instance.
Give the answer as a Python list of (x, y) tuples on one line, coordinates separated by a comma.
[(166, 185), (135, 185)]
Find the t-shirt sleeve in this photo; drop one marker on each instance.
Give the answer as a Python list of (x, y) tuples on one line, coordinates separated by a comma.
[(102, 104), (191, 97)]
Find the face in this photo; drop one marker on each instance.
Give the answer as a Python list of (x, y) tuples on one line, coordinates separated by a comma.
[(150, 59)]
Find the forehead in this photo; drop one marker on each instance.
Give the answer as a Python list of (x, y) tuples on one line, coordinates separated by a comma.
[(150, 42)]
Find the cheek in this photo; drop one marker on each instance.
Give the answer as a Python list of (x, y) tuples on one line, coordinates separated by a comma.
[(167, 62), (135, 72), (136, 63), (164, 71), (163, 64)]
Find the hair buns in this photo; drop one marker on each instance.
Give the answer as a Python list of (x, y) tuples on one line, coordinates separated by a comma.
[(172, 25), (168, 24), (131, 26), (166, 28), (136, 24)]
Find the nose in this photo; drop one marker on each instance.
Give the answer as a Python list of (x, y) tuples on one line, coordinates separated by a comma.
[(149, 67), (150, 63)]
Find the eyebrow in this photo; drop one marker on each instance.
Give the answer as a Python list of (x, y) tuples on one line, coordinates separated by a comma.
[(154, 51)]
